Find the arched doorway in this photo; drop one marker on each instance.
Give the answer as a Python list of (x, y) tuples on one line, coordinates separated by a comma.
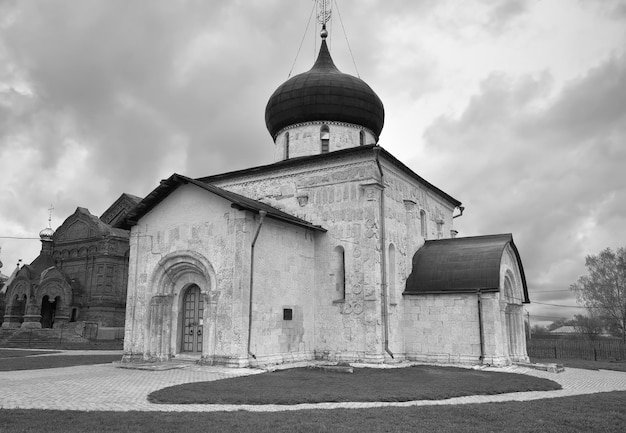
[(48, 311), (513, 322), (193, 308), (19, 307), (178, 278)]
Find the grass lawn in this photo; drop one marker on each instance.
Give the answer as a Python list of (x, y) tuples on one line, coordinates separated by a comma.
[(12, 353), (303, 385), (53, 361), (584, 363), (590, 413)]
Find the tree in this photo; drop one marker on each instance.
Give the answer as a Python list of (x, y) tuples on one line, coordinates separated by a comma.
[(603, 291), (561, 321), (539, 330), (590, 326)]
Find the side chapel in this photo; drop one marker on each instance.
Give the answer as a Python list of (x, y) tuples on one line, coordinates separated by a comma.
[(335, 251)]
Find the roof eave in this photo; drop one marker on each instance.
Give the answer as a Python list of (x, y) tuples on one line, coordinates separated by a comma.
[(294, 162), (240, 206), (167, 186), (453, 291)]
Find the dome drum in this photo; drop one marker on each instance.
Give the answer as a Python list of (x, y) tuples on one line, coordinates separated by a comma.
[(304, 139)]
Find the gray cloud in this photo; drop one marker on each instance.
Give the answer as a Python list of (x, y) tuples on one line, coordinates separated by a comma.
[(544, 164), (503, 13), (103, 97), (612, 9), (105, 75)]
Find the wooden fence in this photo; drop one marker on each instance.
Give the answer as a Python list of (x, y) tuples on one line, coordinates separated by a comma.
[(606, 350)]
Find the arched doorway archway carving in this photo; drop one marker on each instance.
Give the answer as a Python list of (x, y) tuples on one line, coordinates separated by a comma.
[(48, 311), (511, 301), (56, 289), (176, 275)]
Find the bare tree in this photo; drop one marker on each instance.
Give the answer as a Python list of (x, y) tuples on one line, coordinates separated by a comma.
[(590, 326), (603, 291)]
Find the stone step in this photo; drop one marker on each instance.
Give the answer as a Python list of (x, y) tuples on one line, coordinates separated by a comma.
[(51, 339), (550, 367)]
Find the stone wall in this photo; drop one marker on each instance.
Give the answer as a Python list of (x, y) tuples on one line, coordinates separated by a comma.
[(442, 328), (211, 248), (343, 196), (283, 293), (405, 201), (98, 266), (168, 252), (334, 196)]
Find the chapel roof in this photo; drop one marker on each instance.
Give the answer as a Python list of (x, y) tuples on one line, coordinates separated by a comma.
[(33, 270), (324, 93), (169, 185), (461, 265), (98, 228)]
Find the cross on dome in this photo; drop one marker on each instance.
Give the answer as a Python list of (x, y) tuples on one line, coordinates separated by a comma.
[(50, 209), (324, 13)]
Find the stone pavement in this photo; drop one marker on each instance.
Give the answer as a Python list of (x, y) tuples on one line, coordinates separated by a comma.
[(106, 387)]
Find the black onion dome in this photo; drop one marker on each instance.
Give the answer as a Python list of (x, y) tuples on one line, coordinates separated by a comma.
[(324, 93)]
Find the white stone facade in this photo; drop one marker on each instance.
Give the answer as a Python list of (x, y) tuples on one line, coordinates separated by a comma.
[(343, 288)]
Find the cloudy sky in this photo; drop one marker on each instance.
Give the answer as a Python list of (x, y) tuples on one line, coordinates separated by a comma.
[(515, 107)]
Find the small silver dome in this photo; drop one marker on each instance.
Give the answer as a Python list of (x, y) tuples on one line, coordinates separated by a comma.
[(46, 234)]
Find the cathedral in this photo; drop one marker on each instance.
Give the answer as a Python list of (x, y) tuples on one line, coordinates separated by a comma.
[(80, 275), (336, 251)]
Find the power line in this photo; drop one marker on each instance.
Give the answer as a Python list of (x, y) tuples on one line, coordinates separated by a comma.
[(15, 237), (346, 36), (558, 305), (545, 317), (550, 291), (302, 42)]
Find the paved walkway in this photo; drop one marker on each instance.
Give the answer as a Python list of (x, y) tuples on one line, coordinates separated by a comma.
[(108, 387)]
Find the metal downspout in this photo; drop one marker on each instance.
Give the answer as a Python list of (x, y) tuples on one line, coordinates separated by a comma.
[(262, 214), (383, 261), (480, 328)]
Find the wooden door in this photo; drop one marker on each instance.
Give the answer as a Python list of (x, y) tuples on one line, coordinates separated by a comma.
[(192, 320)]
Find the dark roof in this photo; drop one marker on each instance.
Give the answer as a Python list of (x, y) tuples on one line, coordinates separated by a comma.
[(37, 266), (119, 208), (135, 199), (461, 265), (370, 149), (324, 93), (99, 227), (238, 201)]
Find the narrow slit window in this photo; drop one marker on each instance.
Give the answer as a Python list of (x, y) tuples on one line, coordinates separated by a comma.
[(362, 138), (286, 145), (325, 138), (287, 314), (423, 223), (340, 273)]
